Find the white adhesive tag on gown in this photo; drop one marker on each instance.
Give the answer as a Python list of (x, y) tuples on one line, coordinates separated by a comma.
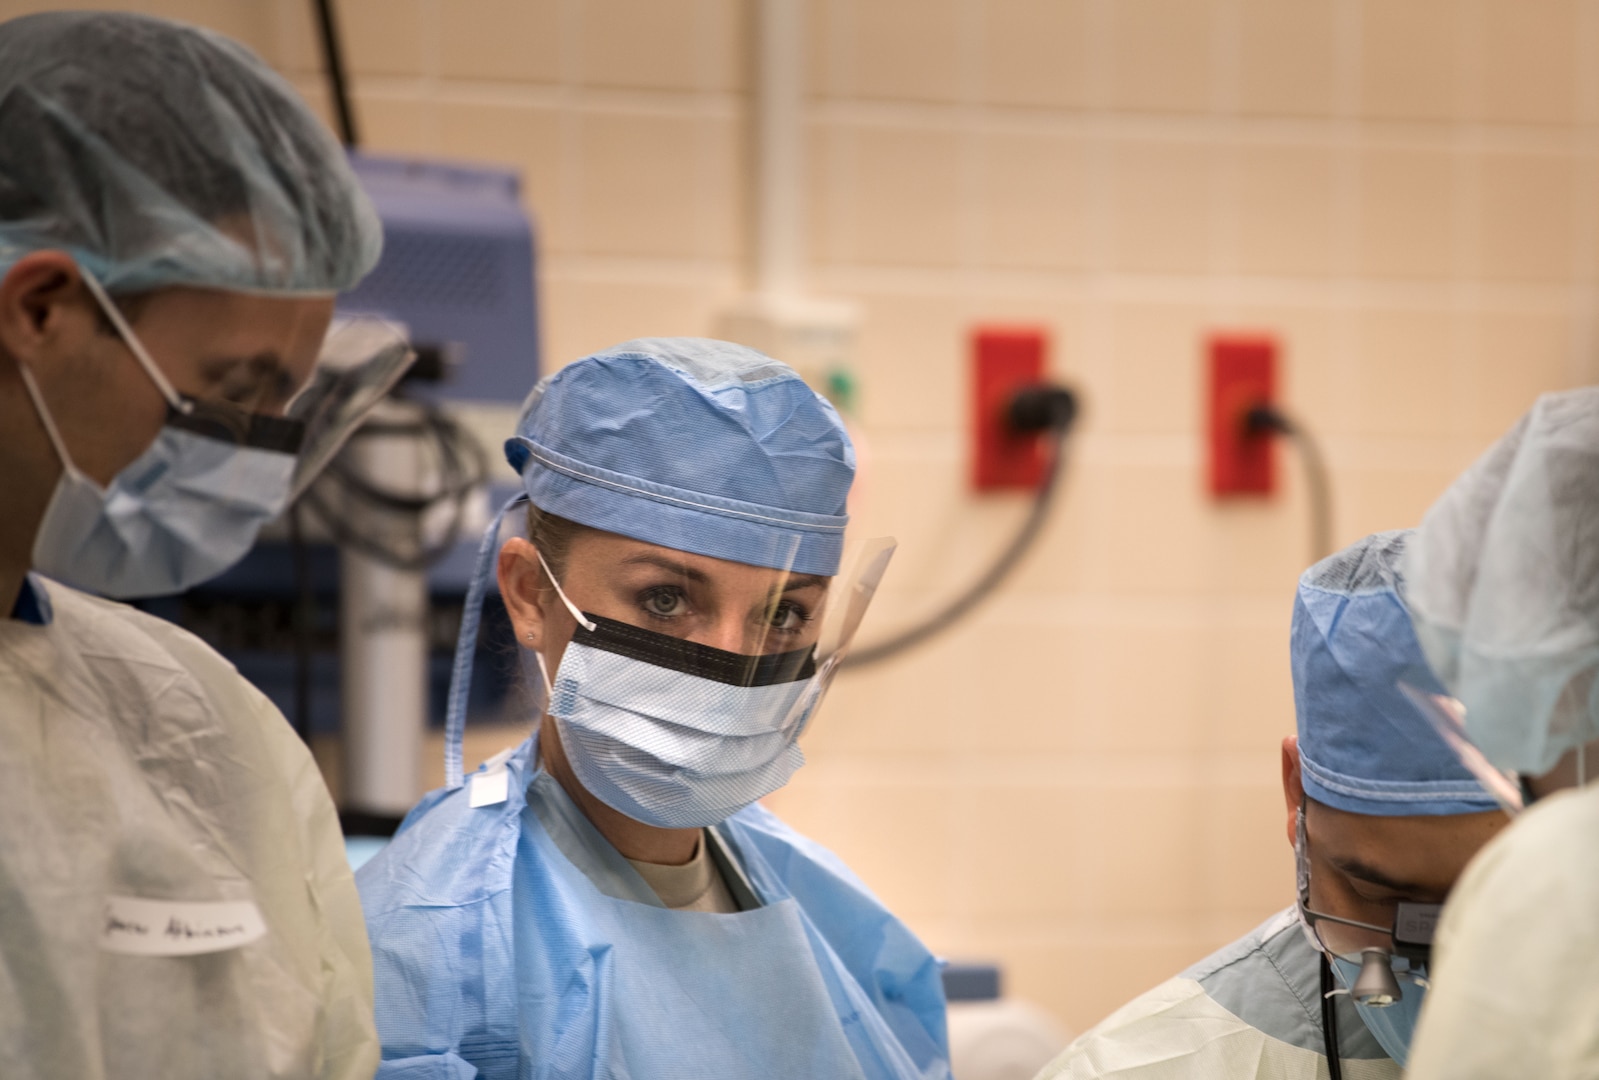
[(492, 786), (135, 926)]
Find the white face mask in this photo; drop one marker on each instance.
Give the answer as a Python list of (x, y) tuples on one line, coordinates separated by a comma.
[(186, 509), (673, 733)]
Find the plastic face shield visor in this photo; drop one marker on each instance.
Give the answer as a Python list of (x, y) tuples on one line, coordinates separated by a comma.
[(792, 632), (359, 363), (1407, 934), (1447, 716), (1575, 729)]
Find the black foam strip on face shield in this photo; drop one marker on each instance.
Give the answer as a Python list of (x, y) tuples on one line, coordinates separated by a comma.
[(692, 658), (239, 427)]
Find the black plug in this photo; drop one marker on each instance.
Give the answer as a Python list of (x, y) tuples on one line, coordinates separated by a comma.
[(1265, 419), (1043, 407), (435, 362)]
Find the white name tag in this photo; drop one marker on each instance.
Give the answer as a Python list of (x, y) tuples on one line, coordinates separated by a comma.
[(489, 789), (139, 927), (492, 785)]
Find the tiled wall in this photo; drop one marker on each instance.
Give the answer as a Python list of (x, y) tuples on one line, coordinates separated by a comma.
[(1082, 780)]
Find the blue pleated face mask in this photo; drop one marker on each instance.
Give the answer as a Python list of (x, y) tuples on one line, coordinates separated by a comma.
[(1388, 1007), (674, 733), (1392, 1025), (183, 511)]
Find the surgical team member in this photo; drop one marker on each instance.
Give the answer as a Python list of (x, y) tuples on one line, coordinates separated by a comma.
[(174, 898), (608, 899), (1506, 572), (1382, 817)]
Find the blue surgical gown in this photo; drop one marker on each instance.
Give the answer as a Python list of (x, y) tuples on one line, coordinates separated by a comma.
[(513, 941)]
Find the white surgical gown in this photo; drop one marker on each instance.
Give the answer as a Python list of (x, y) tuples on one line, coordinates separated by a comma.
[(1515, 988), (135, 762), (1251, 1011)]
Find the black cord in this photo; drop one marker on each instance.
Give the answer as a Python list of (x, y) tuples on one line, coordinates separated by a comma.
[(1318, 488), (303, 621), (1329, 1021), (1050, 409), (462, 469), (338, 85)]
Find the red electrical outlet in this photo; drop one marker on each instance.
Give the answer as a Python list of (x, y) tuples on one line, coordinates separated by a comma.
[(1243, 374), (1004, 360)]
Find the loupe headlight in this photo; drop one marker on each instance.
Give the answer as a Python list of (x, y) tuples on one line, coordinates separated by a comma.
[(1376, 985)]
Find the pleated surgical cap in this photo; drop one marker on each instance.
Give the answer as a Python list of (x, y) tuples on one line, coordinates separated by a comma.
[(1363, 747), (703, 446), (162, 154)]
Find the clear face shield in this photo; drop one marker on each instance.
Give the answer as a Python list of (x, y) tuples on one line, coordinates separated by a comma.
[(1572, 724), (1447, 716), (191, 504), (687, 682), (360, 361)]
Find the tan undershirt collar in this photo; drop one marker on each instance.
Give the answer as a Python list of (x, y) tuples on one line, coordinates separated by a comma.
[(694, 886)]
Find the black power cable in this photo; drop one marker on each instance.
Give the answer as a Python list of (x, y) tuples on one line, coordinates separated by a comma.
[(333, 60), (1329, 1022), (1267, 419), (462, 468), (1048, 410)]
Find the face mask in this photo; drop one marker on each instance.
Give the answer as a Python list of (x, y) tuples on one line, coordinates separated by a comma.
[(1393, 1026), (673, 733), (186, 509)]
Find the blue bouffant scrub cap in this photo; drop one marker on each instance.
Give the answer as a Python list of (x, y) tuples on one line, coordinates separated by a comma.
[(697, 445), (1363, 747), (160, 154)]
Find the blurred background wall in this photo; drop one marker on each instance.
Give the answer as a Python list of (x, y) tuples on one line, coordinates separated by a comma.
[(1082, 780)]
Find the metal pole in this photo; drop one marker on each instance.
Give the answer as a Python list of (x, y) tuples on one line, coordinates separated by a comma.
[(383, 640), (780, 148)]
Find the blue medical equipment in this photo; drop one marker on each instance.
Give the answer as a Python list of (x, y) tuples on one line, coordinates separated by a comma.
[(457, 271)]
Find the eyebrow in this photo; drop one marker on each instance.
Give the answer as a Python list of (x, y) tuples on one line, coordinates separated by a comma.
[(648, 558), (1361, 871), (699, 577)]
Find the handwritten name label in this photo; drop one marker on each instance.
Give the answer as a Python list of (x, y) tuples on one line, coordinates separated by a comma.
[(138, 927)]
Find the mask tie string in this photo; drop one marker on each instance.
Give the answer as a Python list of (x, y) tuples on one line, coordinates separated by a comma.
[(135, 346), (466, 646), (52, 432)]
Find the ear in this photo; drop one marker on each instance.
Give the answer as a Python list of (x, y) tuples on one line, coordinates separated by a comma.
[(1293, 786), (39, 296), (523, 588)]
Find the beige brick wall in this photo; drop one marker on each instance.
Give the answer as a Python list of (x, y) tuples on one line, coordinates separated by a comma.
[(1082, 781)]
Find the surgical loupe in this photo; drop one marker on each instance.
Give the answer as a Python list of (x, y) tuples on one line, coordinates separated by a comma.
[(1371, 945)]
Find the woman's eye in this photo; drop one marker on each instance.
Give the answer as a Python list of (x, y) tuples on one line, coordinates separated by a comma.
[(665, 603), (789, 616)]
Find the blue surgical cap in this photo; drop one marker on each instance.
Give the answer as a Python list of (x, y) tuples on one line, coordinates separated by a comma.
[(698, 445), (1363, 747), (160, 154)]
